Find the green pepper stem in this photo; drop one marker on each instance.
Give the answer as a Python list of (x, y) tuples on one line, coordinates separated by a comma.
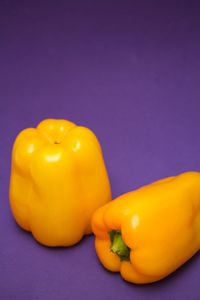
[(118, 246)]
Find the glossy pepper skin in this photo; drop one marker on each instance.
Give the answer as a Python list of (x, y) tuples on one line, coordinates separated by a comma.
[(156, 228), (58, 179)]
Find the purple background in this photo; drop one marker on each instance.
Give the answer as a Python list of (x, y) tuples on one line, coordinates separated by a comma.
[(129, 70)]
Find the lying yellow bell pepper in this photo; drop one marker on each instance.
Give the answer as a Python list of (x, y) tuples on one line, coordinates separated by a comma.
[(149, 233), (58, 179)]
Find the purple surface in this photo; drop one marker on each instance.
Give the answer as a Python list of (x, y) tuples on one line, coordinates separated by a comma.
[(129, 70)]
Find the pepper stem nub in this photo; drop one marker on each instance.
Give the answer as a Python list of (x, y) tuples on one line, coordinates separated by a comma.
[(118, 246)]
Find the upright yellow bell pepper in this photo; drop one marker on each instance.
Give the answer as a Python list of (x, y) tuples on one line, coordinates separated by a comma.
[(149, 233), (58, 179)]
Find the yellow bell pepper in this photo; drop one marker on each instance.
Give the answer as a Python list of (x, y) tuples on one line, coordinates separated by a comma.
[(150, 232), (58, 179)]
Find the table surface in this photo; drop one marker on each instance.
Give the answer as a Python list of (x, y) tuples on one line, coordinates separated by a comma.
[(130, 71)]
